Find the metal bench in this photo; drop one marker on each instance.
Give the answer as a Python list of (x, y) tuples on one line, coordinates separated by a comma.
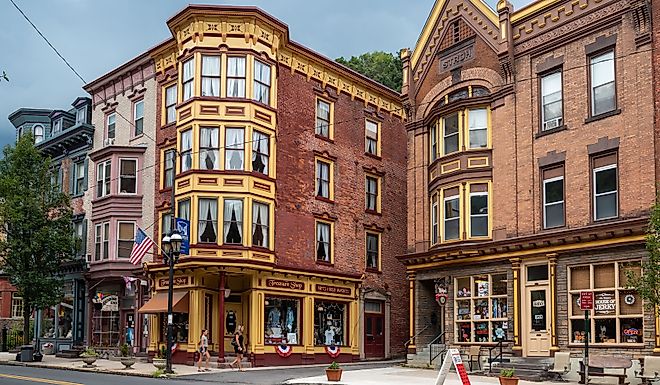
[(597, 364), (650, 370)]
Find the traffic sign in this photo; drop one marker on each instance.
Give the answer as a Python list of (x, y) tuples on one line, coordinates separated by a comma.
[(586, 300)]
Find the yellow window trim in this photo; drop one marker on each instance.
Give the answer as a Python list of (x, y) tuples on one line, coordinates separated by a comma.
[(380, 250), (162, 165), (379, 190), (378, 134), (331, 193), (330, 242), (463, 132), (163, 104), (461, 215), (434, 199), (469, 209), (331, 123)]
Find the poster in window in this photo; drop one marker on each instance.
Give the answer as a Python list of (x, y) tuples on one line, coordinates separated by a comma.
[(482, 288), (604, 304)]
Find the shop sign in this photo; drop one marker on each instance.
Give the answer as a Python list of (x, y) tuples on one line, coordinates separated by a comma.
[(586, 300), (282, 284), (538, 303), (457, 58), (605, 304), (178, 281), (110, 303), (333, 289), (631, 332)]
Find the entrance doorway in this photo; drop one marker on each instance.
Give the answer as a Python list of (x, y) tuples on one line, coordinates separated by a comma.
[(536, 312), (374, 329)]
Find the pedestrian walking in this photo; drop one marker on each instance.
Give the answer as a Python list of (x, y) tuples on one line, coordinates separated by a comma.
[(239, 348), (204, 351)]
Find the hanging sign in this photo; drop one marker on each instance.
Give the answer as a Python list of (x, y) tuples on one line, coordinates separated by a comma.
[(183, 228), (453, 357), (586, 300)]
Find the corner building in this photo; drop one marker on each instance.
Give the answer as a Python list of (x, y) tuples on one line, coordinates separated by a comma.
[(531, 173), (291, 172)]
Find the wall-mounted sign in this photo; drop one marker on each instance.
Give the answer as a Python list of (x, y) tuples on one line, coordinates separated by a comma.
[(604, 304), (282, 284), (629, 299), (538, 303), (333, 289), (178, 281), (110, 303), (457, 58), (586, 301)]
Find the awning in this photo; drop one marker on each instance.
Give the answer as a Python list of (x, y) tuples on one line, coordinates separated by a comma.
[(158, 303)]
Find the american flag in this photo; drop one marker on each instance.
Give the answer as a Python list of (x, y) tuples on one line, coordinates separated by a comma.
[(142, 244)]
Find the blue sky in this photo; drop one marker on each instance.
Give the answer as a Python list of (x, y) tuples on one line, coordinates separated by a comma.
[(97, 36)]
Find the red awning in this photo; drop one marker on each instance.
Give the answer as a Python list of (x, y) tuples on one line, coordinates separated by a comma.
[(158, 303)]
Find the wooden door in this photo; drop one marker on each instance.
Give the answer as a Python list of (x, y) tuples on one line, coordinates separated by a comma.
[(538, 321), (231, 319), (374, 330)]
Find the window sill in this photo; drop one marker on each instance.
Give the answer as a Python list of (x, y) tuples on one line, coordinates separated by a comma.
[(168, 125), (373, 270), (323, 199), (373, 212), (541, 134), (605, 220), (165, 189), (325, 263), (324, 138), (140, 136), (374, 156), (639, 345), (602, 116)]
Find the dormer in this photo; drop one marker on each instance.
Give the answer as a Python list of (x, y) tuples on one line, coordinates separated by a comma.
[(82, 106)]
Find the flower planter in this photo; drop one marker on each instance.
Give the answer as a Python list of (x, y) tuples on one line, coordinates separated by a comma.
[(160, 363), (333, 374), (89, 361), (508, 380), (127, 362)]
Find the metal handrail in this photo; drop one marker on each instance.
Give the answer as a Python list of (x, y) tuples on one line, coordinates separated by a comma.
[(417, 335), (499, 345), (434, 341)]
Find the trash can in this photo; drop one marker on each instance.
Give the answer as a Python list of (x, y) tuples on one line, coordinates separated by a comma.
[(26, 353)]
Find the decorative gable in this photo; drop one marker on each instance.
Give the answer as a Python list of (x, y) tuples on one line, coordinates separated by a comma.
[(456, 32)]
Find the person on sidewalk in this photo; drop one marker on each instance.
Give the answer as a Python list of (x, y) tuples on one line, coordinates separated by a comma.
[(204, 351), (239, 348)]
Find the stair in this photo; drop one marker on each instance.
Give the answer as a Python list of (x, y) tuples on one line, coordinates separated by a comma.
[(421, 358), (526, 368)]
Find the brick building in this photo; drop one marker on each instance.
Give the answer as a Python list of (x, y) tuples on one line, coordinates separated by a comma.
[(290, 170), (531, 172)]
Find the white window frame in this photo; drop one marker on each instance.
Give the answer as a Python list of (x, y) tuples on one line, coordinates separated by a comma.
[(38, 138), (121, 176), (238, 77), (188, 83), (132, 240), (368, 139), (108, 123), (172, 106), (434, 221), (137, 118), (562, 202), (16, 306), (480, 193), (470, 129), (459, 116), (616, 190), (445, 220), (101, 171), (186, 151), (261, 84), (81, 111), (592, 86), (558, 121), (98, 242), (213, 78), (57, 125), (78, 176)]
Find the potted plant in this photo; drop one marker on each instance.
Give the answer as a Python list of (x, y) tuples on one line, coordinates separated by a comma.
[(333, 372), (507, 377), (89, 357), (126, 358), (48, 348), (160, 361)]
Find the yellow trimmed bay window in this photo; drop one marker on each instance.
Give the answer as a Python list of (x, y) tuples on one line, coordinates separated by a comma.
[(462, 130)]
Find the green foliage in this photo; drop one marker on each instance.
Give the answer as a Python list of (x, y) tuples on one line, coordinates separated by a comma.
[(158, 373), (383, 67), (89, 352), (507, 372), (648, 283), (334, 365), (36, 219), (161, 353), (125, 350)]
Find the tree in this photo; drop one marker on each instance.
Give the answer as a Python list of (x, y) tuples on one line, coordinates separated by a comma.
[(647, 284), (383, 67), (36, 218)]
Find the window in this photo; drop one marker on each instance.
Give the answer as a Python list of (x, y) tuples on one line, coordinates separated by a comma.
[(170, 104), (125, 239), (168, 180), (98, 241), (450, 134), (235, 149), (433, 131), (260, 152), (372, 193), (603, 83), (323, 118), (479, 210), (233, 222), (38, 133), (78, 178), (373, 254), (618, 312), (183, 210), (81, 115), (452, 215), (16, 306), (110, 126), (56, 178), (186, 150), (282, 321), (553, 197), (235, 77), (80, 235), (606, 195), (478, 128), (138, 117), (323, 179), (371, 140), (208, 221), (210, 75), (103, 179), (323, 242), (261, 82), (209, 150), (551, 101), (330, 323), (57, 125), (481, 308), (128, 176), (188, 79), (106, 240), (166, 225), (434, 219), (260, 224)]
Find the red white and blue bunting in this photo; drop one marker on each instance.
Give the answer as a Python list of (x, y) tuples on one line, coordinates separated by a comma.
[(333, 351), (283, 350)]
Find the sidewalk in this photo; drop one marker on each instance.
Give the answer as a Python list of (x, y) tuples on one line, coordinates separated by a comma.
[(400, 375), (141, 369)]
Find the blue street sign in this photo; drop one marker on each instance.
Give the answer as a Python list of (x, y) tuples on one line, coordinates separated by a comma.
[(183, 228)]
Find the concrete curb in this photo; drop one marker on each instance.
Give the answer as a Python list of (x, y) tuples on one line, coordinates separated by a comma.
[(87, 370)]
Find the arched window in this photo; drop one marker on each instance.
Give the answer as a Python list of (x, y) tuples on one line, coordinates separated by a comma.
[(38, 133)]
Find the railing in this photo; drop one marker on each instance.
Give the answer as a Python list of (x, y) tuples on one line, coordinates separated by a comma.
[(413, 338), (437, 347), (500, 355), (11, 339)]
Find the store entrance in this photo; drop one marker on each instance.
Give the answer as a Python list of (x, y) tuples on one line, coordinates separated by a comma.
[(374, 330), (536, 311)]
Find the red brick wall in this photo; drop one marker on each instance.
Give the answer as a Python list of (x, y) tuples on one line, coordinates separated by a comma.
[(296, 205), (5, 297)]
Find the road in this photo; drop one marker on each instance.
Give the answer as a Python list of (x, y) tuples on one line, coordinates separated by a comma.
[(20, 375)]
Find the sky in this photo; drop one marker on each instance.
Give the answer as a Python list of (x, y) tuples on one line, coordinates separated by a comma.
[(96, 36)]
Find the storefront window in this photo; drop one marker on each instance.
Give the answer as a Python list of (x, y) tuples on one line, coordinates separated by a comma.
[(48, 323), (179, 327), (481, 308), (330, 323), (105, 320), (618, 311), (65, 312), (282, 320)]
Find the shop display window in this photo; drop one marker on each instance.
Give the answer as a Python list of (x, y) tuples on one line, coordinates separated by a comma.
[(330, 323), (281, 321), (618, 311), (57, 321), (48, 322), (481, 308), (179, 327)]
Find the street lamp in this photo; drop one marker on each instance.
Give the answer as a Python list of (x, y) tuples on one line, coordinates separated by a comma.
[(171, 249)]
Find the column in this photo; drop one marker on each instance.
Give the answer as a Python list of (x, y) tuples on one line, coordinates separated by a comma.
[(657, 330), (411, 286), (517, 337), (552, 265), (308, 325), (221, 318)]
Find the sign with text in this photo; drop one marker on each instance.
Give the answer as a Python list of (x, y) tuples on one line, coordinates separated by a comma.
[(282, 284), (457, 58), (178, 281), (453, 357), (586, 300), (333, 289), (604, 304), (183, 227)]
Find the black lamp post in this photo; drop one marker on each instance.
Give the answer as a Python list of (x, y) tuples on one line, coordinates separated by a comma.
[(171, 249)]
